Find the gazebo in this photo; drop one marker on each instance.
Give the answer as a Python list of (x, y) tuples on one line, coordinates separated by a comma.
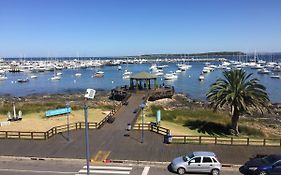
[(142, 81)]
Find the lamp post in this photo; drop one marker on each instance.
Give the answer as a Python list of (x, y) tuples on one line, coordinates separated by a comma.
[(67, 121), (142, 128), (90, 94)]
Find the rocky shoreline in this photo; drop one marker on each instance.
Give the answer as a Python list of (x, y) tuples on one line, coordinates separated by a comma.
[(74, 99)]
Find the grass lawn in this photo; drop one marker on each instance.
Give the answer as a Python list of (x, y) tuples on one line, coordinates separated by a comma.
[(199, 121), (38, 122)]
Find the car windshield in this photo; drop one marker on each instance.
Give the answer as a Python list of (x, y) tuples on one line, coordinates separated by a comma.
[(187, 157), (270, 159)]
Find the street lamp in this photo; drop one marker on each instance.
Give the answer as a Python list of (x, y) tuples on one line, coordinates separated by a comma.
[(142, 130), (67, 121), (90, 94)]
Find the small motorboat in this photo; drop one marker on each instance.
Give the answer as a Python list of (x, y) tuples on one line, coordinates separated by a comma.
[(24, 80), (275, 76), (99, 74), (33, 76), (201, 77)]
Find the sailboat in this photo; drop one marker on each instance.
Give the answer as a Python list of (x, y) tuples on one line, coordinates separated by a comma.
[(55, 76)]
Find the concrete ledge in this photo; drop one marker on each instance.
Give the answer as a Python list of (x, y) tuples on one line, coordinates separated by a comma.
[(154, 163), (107, 161), (41, 159)]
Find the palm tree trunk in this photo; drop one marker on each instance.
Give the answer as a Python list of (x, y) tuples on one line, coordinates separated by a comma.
[(234, 123)]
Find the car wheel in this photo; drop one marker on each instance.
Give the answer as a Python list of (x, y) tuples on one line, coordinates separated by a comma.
[(263, 173), (215, 172), (181, 170)]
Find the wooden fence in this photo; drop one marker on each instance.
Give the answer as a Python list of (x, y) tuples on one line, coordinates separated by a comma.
[(187, 139), (151, 127), (45, 135)]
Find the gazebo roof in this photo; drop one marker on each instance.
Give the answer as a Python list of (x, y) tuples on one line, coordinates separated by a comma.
[(143, 76)]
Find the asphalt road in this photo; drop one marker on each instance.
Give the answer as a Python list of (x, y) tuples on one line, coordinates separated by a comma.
[(11, 166)]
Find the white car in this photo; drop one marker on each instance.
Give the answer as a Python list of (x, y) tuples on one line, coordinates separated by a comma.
[(197, 162)]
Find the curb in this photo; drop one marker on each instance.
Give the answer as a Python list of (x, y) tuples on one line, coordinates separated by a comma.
[(140, 162), (107, 161), (41, 158)]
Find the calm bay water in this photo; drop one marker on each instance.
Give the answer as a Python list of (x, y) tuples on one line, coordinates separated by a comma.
[(187, 81)]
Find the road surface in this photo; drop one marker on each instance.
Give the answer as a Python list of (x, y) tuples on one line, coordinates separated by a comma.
[(11, 166)]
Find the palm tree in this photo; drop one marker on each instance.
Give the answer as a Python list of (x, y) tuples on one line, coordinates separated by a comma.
[(239, 93)]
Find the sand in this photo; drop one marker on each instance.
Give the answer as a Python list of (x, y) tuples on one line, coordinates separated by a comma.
[(37, 122)]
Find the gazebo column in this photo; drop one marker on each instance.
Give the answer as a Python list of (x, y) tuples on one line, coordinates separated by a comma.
[(155, 83), (149, 84), (137, 84), (131, 84)]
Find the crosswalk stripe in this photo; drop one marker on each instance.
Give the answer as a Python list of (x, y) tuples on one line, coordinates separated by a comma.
[(109, 167), (145, 170), (105, 172)]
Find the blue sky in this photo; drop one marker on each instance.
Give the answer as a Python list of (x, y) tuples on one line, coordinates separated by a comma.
[(131, 27)]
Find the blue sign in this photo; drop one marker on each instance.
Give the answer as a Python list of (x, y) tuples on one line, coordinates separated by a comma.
[(158, 117), (55, 112)]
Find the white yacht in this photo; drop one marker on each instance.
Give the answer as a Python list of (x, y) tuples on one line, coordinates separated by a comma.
[(158, 73), (264, 71), (127, 72), (178, 71), (78, 75), (207, 69), (126, 77), (183, 67), (170, 76)]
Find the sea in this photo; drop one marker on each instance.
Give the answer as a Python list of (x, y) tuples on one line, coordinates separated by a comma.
[(187, 81)]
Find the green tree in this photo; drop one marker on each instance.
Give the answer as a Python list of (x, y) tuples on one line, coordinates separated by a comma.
[(238, 93)]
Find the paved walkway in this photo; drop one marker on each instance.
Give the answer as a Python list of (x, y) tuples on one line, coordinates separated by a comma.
[(110, 142)]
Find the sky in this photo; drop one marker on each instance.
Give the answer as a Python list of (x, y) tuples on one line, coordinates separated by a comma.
[(55, 28)]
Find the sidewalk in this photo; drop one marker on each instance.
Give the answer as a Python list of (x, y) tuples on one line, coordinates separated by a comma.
[(110, 139)]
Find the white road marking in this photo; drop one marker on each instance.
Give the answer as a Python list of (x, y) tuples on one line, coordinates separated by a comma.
[(145, 170), (109, 167), (36, 171), (105, 172)]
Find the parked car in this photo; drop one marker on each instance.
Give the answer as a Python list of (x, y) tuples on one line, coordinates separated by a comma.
[(197, 162), (269, 165)]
